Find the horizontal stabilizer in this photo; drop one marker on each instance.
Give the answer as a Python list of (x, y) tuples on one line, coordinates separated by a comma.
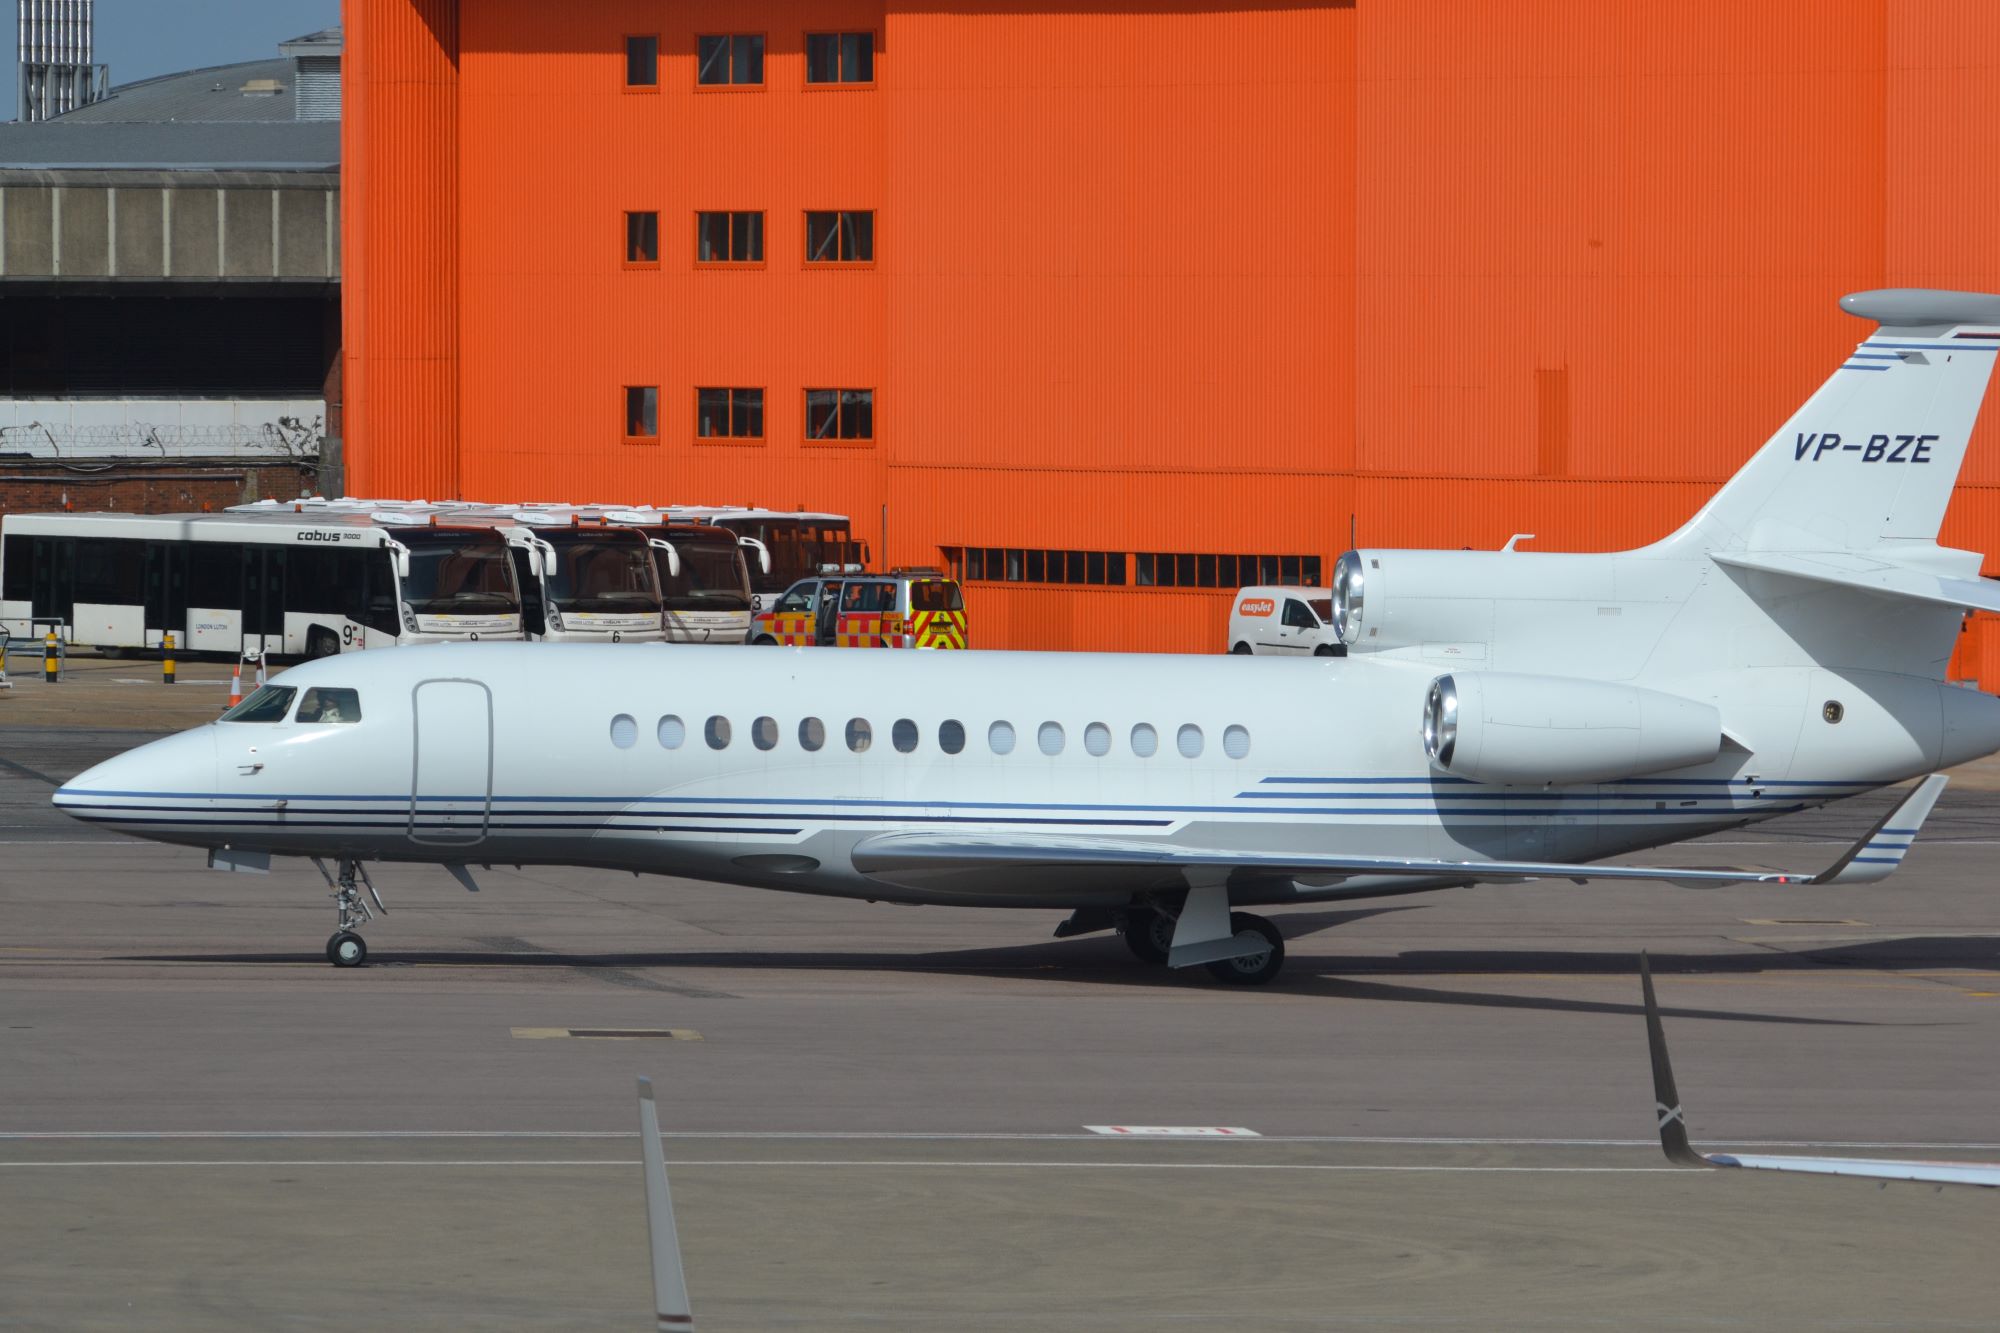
[(1674, 1135), (1865, 573)]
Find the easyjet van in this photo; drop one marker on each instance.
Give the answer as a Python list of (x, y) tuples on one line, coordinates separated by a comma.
[(1297, 621)]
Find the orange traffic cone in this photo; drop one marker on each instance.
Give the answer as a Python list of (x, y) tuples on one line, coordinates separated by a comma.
[(236, 684)]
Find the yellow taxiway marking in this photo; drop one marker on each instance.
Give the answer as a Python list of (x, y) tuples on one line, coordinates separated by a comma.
[(609, 1034)]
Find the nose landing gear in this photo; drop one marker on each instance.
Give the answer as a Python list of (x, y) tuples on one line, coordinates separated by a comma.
[(346, 948)]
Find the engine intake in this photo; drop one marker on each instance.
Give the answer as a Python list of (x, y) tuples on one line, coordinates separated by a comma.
[(1490, 726)]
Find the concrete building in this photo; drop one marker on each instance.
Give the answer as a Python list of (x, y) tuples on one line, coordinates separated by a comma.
[(170, 290)]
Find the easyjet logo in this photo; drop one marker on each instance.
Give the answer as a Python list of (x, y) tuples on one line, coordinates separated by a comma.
[(1257, 606)]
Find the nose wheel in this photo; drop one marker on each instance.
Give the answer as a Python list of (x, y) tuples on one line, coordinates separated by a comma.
[(346, 948)]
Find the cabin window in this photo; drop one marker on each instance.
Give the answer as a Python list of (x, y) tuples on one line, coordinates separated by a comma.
[(764, 733), (859, 734), (904, 735), (1236, 742), (1000, 738), (624, 731), (269, 704), (672, 732), (1050, 738), (332, 705), (717, 733), (1189, 740), (812, 734), (1145, 741), (1097, 739), (951, 737)]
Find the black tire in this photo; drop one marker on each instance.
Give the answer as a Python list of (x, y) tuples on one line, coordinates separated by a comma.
[(322, 642), (1325, 650), (1257, 969), (346, 949), (1240, 650), (764, 641), (1149, 935)]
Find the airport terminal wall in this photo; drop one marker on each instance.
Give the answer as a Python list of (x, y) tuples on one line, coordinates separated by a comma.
[(1155, 278)]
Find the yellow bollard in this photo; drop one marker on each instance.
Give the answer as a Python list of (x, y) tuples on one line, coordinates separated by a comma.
[(167, 662), (50, 669)]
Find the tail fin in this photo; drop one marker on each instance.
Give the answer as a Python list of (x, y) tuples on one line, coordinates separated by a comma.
[(1872, 457)]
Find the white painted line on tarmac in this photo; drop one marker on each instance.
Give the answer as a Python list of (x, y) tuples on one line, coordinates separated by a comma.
[(895, 1136), (834, 1163), (1176, 1131)]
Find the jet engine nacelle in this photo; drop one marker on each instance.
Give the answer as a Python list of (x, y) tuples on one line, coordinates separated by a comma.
[(1491, 726)]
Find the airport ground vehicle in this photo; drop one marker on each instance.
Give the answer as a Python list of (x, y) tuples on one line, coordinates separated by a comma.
[(582, 583), (910, 608), (1502, 716), (1292, 622), (799, 544), (264, 583)]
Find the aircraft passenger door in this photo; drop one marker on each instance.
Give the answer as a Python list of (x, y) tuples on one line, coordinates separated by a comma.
[(451, 777)]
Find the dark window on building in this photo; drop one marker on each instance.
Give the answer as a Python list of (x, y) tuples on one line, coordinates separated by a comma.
[(998, 564), (1160, 570), (840, 414), (729, 238), (736, 413), (846, 237), (642, 238), (642, 62), (735, 58), (642, 411), (840, 57)]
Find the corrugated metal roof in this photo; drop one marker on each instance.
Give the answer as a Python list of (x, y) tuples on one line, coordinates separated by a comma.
[(180, 146), (199, 95)]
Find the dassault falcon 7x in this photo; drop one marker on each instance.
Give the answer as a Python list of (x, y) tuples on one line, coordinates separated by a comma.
[(1500, 716)]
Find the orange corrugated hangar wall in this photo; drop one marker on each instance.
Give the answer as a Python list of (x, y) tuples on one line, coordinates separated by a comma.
[(1155, 278)]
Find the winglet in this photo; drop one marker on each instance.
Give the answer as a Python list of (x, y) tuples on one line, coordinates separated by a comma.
[(1666, 1100), (670, 1298), (1876, 856)]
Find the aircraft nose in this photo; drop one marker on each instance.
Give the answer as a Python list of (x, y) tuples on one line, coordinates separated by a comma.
[(140, 789)]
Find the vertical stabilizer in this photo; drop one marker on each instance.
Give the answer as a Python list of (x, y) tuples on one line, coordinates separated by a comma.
[(1871, 458)]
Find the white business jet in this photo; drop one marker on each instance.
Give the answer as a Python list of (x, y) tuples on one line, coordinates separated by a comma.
[(1500, 716)]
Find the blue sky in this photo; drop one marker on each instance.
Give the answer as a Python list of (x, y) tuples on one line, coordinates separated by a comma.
[(142, 38)]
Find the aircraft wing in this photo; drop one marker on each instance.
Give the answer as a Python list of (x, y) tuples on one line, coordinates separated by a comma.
[(1864, 573), (1674, 1135), (891, 856)]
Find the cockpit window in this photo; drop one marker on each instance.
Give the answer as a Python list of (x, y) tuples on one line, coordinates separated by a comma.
[(329, 705), (269, 704)]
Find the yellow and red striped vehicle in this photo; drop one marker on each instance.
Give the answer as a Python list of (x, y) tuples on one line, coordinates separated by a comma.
[(909, 608)]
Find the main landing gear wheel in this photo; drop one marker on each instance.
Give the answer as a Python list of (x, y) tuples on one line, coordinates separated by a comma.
[(1148, 934), (346, 949), (1252, 969)]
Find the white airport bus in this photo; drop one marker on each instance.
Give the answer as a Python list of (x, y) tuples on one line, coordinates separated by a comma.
[(278, 583), (582, 582), (796, 545), (701, 572)]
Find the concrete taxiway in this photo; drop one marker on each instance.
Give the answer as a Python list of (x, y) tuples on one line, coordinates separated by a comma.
[(876, 1116)]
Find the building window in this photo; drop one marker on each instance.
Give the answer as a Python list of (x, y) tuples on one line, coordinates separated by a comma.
[(840, 414), (729, 238), (1153, 569), (737, 58), (729, 413), (642, 239), (840, 57), (846, 237), (1011, 564), (642, 62), (642, 412)]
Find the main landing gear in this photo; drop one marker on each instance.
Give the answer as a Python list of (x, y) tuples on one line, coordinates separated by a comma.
[(346, 948), (1257, 947)]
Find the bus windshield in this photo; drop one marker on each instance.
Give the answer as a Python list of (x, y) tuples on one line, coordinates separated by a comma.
[(458, 574), (606, 571), (799, 547), (713, 577)]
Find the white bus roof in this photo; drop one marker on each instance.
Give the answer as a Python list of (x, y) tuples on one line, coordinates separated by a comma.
[(361, 529), (667, 513)]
